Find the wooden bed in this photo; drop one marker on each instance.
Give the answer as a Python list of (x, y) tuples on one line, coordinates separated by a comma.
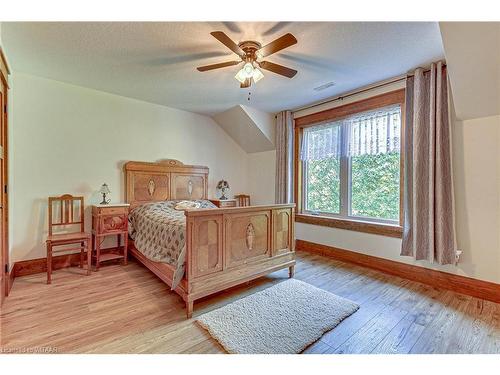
[(224, 246)]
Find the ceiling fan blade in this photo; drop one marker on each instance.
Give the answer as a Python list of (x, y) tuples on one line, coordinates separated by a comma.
[(217, 66), (247, 83), (285, 41), (224, 39), (278, 69)]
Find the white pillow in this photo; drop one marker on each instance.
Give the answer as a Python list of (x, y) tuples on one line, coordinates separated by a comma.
[(186, 205)]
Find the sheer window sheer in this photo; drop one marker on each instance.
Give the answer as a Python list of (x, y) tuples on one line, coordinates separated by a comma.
[(352, 165), (374, 132)]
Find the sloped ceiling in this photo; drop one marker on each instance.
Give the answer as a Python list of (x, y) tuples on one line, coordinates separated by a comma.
[(472, 51), (252, 129)]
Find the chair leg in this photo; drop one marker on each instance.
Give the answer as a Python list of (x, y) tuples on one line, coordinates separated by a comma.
[(49, 263), (88, 249), (291, 271), (82, 250)]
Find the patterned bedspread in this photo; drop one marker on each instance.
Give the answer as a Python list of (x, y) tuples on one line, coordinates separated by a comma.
[(158, 231)]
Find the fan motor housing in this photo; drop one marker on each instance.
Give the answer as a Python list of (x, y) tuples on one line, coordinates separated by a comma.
[(250, 47)]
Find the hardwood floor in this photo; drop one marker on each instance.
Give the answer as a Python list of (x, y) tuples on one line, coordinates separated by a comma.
[(126, 309)]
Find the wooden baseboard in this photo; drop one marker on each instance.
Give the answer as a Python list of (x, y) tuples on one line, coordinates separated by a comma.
[(460, 284), (29, 267), (39, 265)]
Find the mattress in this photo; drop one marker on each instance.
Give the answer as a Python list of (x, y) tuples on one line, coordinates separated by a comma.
[(159, 233)]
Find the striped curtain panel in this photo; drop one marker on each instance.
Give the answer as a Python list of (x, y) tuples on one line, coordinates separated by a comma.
[(429, 223), (284, 157)]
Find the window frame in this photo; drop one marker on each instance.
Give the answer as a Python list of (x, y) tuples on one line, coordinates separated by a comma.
[(342, 220)]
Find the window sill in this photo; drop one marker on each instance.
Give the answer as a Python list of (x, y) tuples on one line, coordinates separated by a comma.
[(350, 224)]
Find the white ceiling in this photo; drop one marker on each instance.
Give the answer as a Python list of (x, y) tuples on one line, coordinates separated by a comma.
[(156, 62)]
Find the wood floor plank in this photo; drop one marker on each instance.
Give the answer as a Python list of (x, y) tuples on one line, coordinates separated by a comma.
[(319, 347), (401, 338), (338, 336), (126, 309), (474, 326), (372, 333), (491, 343), (435, 337)]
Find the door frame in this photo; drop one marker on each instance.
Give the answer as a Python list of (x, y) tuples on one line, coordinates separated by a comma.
[(4, 77)]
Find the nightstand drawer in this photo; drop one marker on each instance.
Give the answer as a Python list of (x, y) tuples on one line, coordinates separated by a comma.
[(113, 223), (112, 210)]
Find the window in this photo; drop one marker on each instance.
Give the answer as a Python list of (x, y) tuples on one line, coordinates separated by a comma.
[(349, 161)]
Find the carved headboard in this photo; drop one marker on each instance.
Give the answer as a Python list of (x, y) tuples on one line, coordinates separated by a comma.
[(165, 180)]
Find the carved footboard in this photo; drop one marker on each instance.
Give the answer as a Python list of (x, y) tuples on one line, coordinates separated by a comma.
[(226, 247)]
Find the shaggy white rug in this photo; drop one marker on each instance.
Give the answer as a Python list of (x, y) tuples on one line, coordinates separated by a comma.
[(284, 318)]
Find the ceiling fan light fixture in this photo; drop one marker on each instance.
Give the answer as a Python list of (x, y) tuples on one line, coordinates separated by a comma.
[(248, 69), (250, 53), (241, 76), (257, 75)]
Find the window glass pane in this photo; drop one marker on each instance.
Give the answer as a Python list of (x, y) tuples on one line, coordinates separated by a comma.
[(323, 185), (321, 157), (374, 146), (375, 186)]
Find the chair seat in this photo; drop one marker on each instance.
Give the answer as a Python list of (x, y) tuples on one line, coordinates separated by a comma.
[(65, 237)]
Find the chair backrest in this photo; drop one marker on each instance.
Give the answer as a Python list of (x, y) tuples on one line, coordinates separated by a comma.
[(243, 200), (66, 213)]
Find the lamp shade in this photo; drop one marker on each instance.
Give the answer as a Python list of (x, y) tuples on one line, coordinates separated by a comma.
[(257, 75), (222, 184), (104, 189), (248, 72), (241, 76), (248, 69)]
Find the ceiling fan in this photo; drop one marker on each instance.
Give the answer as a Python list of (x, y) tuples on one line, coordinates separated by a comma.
[(251, 53)]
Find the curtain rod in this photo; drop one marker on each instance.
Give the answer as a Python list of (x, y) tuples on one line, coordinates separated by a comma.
[(352, 93)]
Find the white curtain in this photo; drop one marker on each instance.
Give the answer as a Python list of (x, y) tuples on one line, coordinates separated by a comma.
[(322, 142), (373, 132), (284, 157)]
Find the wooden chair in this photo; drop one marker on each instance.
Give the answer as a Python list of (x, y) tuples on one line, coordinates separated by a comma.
[(243, 200), (68, 217)]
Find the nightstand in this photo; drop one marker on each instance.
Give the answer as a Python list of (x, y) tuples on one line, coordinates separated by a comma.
[(109, 220), (224, 203)]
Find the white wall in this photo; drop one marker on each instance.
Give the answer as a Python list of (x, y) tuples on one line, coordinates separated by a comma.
[(261, 177), (69, 139), (476, 158), (265, 121), (249, 128)]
